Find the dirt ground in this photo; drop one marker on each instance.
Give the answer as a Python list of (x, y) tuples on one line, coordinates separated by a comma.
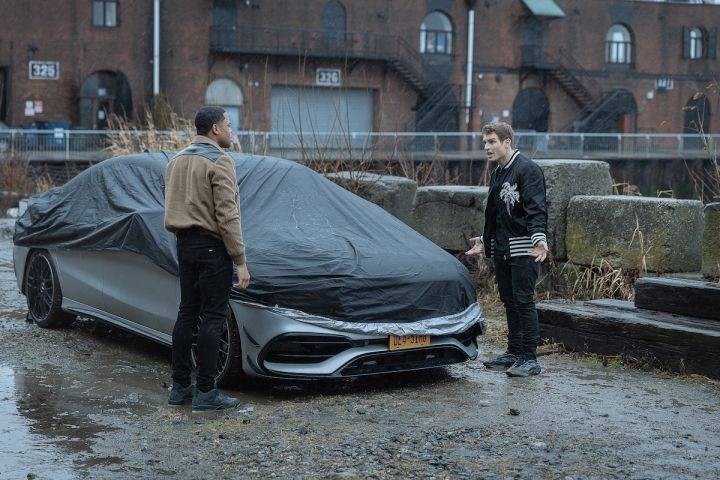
[(89, 402)]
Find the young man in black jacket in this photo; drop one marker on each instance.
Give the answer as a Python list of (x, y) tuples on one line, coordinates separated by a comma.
[(515, 237)]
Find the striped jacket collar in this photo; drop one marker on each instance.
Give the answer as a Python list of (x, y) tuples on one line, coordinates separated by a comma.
[(512, 159)]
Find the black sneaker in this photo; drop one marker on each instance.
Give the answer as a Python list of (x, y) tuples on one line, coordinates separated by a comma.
[(524, 368), (212, 400), (180, 395), (503, 361)]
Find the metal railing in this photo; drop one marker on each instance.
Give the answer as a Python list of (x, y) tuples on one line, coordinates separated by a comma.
[(298, 42), (303, 42), (83, 146)]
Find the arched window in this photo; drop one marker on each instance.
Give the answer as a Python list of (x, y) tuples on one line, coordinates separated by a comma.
[(225, 93), (436, 34), (696, 43), (103, 94), (618, 45), (530, 110), (334, 20)]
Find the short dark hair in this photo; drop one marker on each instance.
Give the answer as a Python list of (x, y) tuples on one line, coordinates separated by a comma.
[(206, 117), (502, 129)]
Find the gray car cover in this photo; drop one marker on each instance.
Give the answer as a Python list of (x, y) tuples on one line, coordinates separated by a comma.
[(310, 244)]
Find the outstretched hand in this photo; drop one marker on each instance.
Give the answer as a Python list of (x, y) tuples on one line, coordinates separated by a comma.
[(540, 252), (478, 247)]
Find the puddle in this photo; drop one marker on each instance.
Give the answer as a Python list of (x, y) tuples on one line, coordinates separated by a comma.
[(53, 421), (22, 450)]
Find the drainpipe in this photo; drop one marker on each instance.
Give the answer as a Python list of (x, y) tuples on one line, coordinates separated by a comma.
[(156, 47), (470, 42)]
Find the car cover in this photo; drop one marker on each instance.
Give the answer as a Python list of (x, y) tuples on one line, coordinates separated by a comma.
[(311, 245)]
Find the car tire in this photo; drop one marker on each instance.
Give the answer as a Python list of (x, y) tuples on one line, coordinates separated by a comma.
[(229, 372), (43, 293)]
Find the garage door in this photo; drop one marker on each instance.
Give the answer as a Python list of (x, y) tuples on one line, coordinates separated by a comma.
[(311, 113)]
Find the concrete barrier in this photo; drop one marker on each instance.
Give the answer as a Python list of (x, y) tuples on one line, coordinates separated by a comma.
[(711, 241), (394, 194), (563, 180), (450, 214), (665, 234)]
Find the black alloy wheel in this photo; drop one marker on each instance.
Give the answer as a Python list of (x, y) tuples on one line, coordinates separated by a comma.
[(228, 370), (43, 294)]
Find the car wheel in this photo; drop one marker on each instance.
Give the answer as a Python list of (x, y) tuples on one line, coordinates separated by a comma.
[(229, 372), (43, 294)]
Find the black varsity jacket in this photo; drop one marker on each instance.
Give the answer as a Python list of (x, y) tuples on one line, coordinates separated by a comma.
[(516, 211)]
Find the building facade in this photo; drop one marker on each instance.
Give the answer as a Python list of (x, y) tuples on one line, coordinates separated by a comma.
[(366, 65)]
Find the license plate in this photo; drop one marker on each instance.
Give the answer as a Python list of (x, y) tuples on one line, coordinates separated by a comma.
[(408, 341)]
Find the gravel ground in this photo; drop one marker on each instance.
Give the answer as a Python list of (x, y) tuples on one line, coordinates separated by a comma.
[(89, 402)]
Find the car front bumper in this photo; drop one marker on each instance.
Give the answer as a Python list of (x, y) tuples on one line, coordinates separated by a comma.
[(277, 344)]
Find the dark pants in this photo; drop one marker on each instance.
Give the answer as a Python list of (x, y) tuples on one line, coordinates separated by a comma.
[(516, 278), (205, 283)]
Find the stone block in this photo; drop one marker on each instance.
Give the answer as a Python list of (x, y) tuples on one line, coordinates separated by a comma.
[(450, 214), (394, 194), (664, 234), (563, 180), (711, 241)]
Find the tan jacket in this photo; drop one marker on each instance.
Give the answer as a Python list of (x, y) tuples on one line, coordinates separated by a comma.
[(201, 191)]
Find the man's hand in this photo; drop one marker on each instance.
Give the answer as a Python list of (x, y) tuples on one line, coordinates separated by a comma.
[(243, 277), (478, 247), (540, 252)]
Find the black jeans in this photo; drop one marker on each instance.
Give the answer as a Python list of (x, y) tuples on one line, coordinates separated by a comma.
[(205, 284), (516, 278)]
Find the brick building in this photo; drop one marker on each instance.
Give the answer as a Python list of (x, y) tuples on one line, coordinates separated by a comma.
[(359, 65)]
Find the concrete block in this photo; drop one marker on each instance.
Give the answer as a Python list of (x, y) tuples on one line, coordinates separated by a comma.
[(450, 214), (394, 194), (664, 233), (711, 241), (563, 180)]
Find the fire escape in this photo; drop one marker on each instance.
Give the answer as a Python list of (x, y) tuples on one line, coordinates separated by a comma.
[(599, 110), (437, 102)]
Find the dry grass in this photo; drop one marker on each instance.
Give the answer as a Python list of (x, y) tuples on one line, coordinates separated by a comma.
[(707, 180), (18, 180), (127, 138), (600, 280), (626, 188)]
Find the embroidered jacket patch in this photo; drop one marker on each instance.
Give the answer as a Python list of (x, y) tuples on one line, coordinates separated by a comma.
[(509, 195)]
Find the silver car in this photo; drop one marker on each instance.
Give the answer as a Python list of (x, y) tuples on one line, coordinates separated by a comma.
[(331, 295)]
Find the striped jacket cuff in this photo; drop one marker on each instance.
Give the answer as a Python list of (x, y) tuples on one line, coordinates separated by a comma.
[(537, 238)]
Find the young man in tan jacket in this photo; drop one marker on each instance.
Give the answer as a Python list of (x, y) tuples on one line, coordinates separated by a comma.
[(202, 209)]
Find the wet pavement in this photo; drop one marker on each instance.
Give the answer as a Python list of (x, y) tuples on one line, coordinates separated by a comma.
[(89, 402)]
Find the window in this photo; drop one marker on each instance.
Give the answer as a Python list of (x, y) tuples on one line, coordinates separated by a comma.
[(227, 94), (696, 43), (436, 34), (699, 43), (618, 45), (104, 13)]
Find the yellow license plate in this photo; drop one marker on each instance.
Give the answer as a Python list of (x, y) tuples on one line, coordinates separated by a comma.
[(408, 341)]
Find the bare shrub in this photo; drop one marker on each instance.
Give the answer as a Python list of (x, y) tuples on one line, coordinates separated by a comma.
[(19, 179), (15, 175), (706, 182)]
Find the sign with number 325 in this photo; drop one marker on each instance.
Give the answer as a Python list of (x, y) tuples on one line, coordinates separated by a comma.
[(40, 70)]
